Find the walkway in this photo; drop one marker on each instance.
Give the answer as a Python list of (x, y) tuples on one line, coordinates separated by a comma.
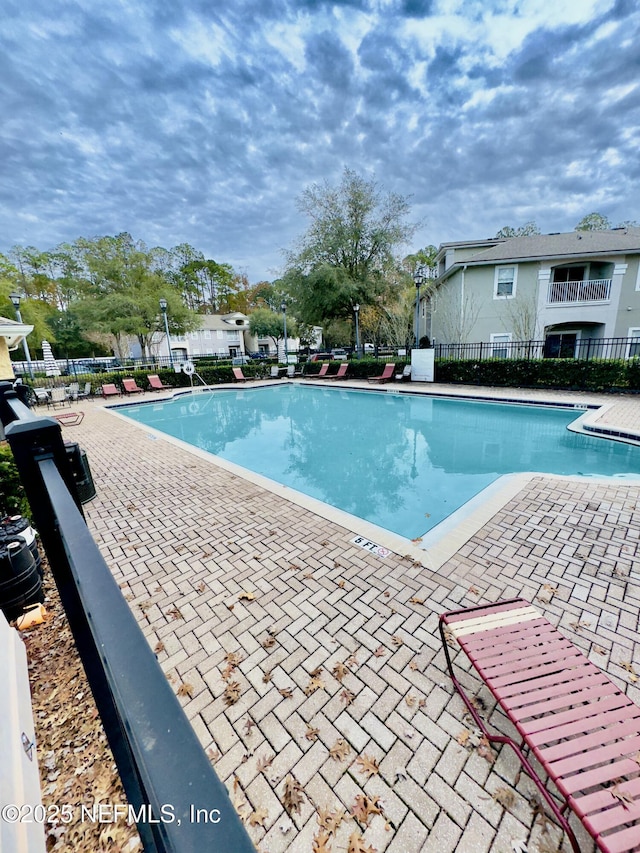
[(311, 669)]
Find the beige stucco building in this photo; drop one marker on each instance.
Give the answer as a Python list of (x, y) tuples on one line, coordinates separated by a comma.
[(11, 335)]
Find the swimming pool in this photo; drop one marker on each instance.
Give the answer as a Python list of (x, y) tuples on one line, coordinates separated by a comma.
[(403, 462)]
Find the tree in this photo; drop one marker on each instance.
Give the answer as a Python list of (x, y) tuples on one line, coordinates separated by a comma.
[(593, 222), (349, 248), (264, 323), (526, 230)]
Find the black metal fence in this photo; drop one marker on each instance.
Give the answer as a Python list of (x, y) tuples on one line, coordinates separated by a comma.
[(555, 346), (174, 795)]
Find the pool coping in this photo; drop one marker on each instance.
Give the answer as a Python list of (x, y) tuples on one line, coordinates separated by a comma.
[(437, 545)]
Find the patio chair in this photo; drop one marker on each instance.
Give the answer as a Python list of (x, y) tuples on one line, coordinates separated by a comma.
[(59, 397), (238, 374), (156, 384), (110, 390), (385, 376), (275, 372), (581, 728), (405, 376), (73, 390), (291, 371), (86, 393), (341, 374), (131, 387)]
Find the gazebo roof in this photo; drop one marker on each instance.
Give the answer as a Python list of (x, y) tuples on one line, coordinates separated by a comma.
[(13, 332)]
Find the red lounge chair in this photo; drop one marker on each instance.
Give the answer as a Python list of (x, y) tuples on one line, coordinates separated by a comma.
[(156, 384), (582, 729), (386, 375), (239, 375), (131, 387), (319, 375), (342, 372), (110, 390)]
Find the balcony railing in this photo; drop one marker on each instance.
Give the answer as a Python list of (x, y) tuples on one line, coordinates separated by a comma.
[(571, 292)]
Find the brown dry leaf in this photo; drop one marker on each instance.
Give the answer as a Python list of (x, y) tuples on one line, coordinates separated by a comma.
[(201, 587), (380, 652), (387, 593), (474, 590), (341, 584), (321, 842), (266, 678), (285, 692), (311, 733), (347, 696), (411, 700), (233, 658), (364, 807), (340, 750), (268, 643), (313, 685), (624, 796), (552, 590), (351, 660), (246, 596), (505, 797), (264, 763), (368, 765), (294, 568), (463, 737), (339, 671), (186, 689), (214, 755), (159, 647), (330, 820), (357, 844), (232, 693), (293, 795), (248, 725), (599, 650), (397, 641), (484, 750), (258, 817), (414, 665), (175, 613), (416, 601)]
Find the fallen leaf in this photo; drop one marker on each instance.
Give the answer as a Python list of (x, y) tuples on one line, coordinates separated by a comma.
[(416, 601), (397, 641), (311, 733), (159, 647), (293, 796), (232, 693), (313, 685), (364, 807), (411, 700), (368, 765), (624, 796), (474, 590), (185, 689), (340, 750), (380, 652), (175, 613), (268, 643), (339, 671), (246, 596), (505, 797), (463, 737), (266, 677), (320, 842), (357, 844), (248, 725), (258, 817), (347, 696), (330, 820), (285, 692), (264, 763)]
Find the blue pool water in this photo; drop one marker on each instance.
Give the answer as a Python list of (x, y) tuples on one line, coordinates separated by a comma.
[(403, 462)]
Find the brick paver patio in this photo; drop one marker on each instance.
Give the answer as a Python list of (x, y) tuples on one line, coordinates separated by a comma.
[(307, 664)]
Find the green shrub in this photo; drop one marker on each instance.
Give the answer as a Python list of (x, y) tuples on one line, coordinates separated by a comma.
[(13, 500)]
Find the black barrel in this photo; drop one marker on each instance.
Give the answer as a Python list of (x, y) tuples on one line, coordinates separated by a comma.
[(18, 525), (81, 472), (20, 581)]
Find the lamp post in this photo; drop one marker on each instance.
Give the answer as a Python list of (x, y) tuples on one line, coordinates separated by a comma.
[(163, 308), (356, 311), (283, 308), (418, 279), (15, 299)]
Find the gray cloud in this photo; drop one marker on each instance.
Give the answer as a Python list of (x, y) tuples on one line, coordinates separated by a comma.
[(201, 122)]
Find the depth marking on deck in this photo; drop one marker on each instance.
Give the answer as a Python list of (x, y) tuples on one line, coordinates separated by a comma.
[(371, 546)]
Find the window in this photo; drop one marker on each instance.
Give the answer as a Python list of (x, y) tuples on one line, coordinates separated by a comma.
[(499, 344), (504, 286)]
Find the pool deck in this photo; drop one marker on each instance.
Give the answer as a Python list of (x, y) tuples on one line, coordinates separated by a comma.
[(301, 654)]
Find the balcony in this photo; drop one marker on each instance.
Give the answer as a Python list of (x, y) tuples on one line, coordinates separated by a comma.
[(579, 292)]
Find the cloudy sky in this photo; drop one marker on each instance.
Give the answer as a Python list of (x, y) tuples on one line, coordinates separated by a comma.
[(200, 121)]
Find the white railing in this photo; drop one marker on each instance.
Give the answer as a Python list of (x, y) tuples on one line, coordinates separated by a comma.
[(570, 292)]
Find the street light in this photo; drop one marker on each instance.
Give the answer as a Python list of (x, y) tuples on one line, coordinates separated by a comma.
[(163, 308), (356, 311), (418, 280), (15, 299), (283, 308)]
